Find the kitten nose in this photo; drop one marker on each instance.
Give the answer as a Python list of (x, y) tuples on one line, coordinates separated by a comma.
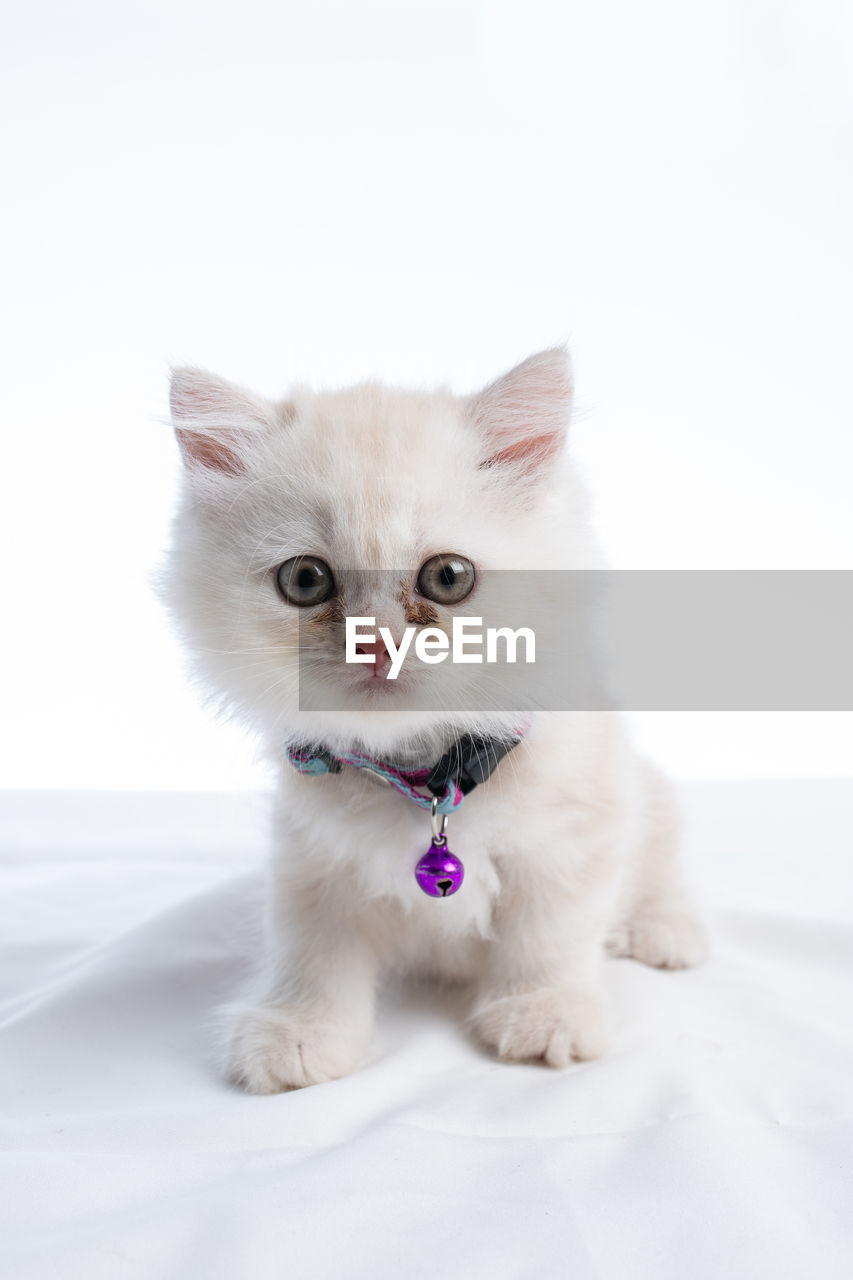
[(378, 652)]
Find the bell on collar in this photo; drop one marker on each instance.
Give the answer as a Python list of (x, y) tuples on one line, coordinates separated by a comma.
[(439, 873)]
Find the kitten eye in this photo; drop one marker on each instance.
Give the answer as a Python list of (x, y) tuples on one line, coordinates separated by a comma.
[(447, 579), (305, 580)]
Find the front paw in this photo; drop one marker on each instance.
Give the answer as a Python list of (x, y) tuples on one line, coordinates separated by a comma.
[(670, 938), (553, 1024), (273, 1049)]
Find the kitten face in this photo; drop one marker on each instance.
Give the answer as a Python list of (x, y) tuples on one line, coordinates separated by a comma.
[(366, 486)]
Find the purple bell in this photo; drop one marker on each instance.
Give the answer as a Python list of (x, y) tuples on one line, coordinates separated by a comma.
[(439, 872)]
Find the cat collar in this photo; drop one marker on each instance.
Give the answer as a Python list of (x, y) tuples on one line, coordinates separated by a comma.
[(469, 761)]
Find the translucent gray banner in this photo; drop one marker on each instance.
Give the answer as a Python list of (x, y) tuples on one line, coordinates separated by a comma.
[(707, 640)]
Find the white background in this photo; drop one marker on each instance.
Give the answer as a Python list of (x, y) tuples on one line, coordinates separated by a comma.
[(424, 192)]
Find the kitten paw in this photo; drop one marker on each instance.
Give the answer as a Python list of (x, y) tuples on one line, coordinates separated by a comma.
[(553, 1025), (273, 1049), (669, 938)]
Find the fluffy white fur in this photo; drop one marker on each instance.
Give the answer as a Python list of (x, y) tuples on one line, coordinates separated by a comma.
[(569, 849)]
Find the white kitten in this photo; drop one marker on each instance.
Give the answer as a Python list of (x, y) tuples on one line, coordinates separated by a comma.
[(569, 846)]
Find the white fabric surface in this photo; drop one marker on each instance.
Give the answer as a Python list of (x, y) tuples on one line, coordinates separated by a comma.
[(715, 1140)]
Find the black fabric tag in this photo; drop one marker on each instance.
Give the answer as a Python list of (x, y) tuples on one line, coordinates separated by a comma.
[(470, 761)]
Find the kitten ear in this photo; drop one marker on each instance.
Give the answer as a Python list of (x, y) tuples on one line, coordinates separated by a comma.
[(214, 420), (523, 416)]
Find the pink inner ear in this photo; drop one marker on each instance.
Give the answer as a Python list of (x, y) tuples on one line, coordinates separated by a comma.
[(523, 416), (533, 452), (214, 452), (214, 420)]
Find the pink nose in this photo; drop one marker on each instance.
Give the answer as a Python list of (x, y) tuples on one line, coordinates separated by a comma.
[(377, 651)]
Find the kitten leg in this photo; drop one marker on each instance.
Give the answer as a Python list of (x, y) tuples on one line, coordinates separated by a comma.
[(541, 998), (314, 1021), (659, 926)]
